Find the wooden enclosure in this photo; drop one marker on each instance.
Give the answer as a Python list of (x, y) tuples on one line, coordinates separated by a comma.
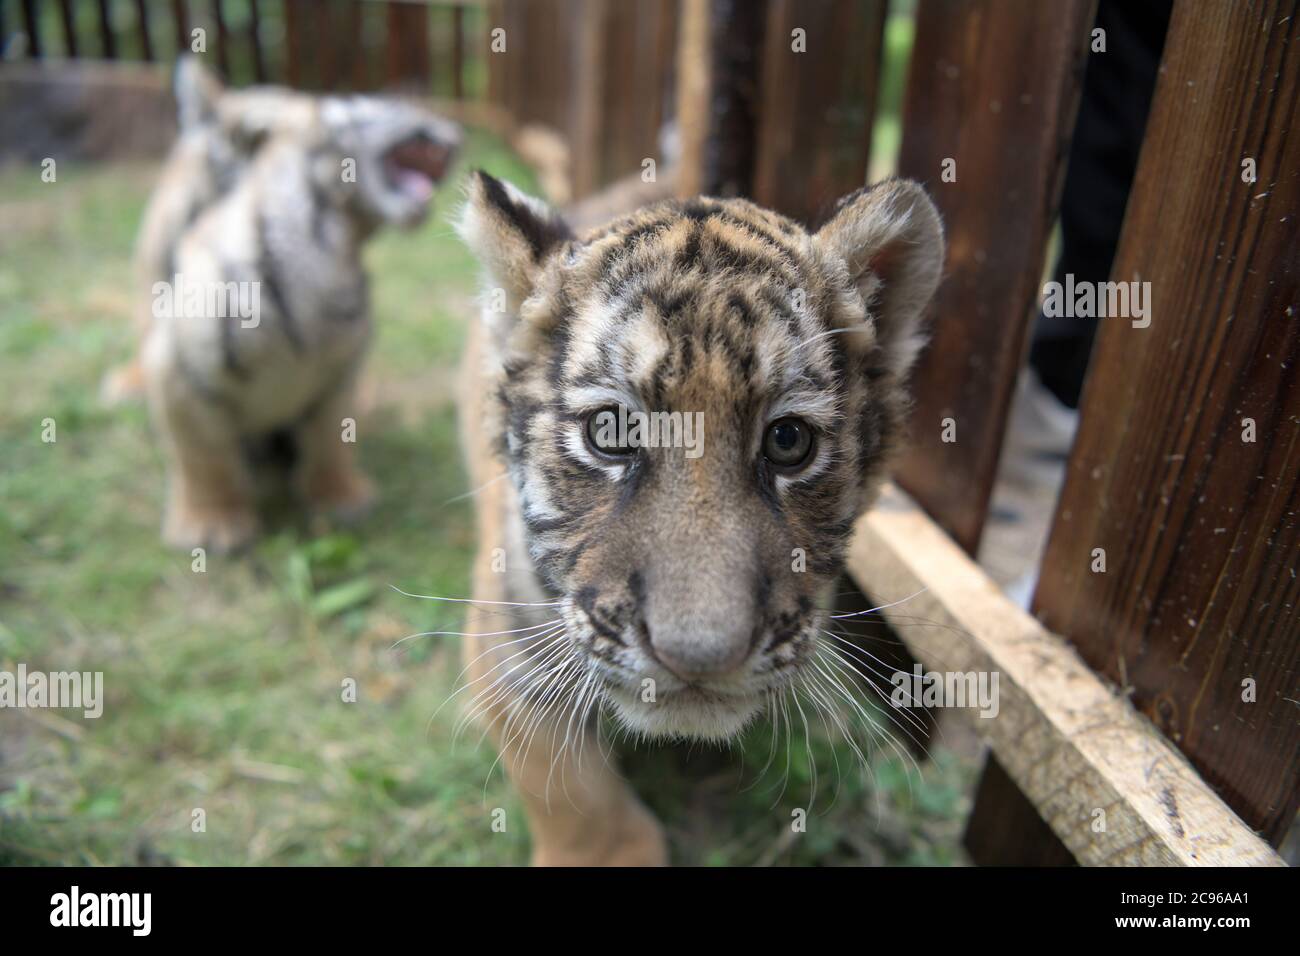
[(1187, 466), (1156, 696), (436, 47), (1161, 692)]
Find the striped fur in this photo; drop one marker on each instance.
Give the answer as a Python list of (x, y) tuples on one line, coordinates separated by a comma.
[(287, 233), (668, 567)]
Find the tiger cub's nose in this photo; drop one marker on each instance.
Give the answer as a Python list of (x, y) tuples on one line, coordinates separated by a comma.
[(700, 640)]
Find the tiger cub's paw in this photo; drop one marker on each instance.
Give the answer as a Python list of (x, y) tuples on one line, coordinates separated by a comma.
[(632, 838), (343, 496), (219, 530)]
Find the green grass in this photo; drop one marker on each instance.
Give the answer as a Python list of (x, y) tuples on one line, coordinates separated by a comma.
[(223, 688)]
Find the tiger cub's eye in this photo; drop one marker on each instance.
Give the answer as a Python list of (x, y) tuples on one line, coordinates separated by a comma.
[(602, 434), (787, 443)]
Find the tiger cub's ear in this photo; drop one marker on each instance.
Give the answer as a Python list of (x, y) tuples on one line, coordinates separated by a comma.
[(198, 93), (891, 239), (510, 233)]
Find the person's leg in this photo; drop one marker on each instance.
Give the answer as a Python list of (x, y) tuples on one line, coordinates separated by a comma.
[(1113, 108)]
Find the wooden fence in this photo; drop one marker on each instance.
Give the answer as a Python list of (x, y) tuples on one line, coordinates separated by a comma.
[(599, 74), (1185, 473), (430, 46), (1150, 708)]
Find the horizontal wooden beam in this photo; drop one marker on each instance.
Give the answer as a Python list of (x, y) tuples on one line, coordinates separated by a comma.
[(1109, 785)]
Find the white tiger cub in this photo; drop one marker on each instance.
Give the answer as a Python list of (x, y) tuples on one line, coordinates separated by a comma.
[(219, 131), (653, 580), (258, 332)]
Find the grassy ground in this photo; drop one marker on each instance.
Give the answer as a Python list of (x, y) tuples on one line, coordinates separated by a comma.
[(223, 688)]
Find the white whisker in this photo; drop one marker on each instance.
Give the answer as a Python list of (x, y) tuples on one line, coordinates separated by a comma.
[(431, 597), (517, 630), (469, 494), (872, 610)]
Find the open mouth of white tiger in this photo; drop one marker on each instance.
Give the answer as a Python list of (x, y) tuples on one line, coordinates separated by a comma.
[(415, 165)]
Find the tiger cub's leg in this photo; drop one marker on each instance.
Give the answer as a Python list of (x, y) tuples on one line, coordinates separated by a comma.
[(210, 497), (327, 476), (580, 811)]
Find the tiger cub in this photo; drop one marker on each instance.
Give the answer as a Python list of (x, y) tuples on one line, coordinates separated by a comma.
[(257, 333), (219, 131), (660, 416)]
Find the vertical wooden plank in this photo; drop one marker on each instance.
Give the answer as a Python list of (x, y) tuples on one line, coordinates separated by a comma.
[(1197, 613), (736, 44), (993, 87), (355, 46), (516, 86), (328, 41), (108, 42), (992, 93), (31, 26), (255, 40), (69, 27), (297, 14), (359, 67), (652, 79), (543, 43), (539, 94), (523, 88), (693, 68), (223, 38), (508, 63), (181, 18), (665, 58), (587, 78), (142, 24), (517, 38), (496, 79), (636, 85), (625, 93), (818, 103), (552, 29), (408, 46), (458, 52)]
